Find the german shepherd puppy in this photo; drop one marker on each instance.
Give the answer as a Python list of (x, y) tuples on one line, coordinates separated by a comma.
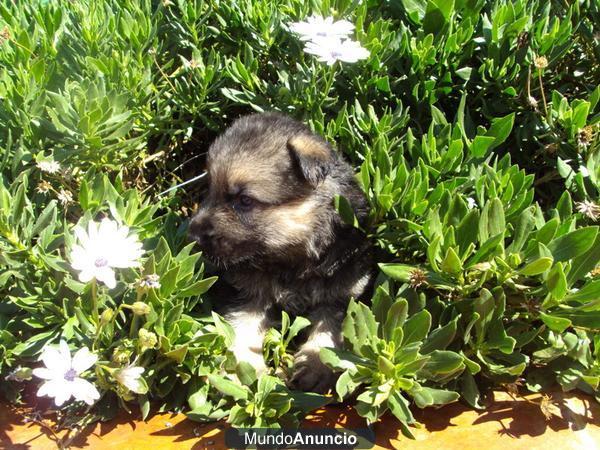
[(269, 221)]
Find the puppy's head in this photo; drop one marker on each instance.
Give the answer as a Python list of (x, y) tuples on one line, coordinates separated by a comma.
[(270, 193)]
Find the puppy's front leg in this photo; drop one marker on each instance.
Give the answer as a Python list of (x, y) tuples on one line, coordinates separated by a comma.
[(310, 374), (250, 324)]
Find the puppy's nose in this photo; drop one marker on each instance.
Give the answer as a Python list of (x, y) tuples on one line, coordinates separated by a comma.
[(201, 229)]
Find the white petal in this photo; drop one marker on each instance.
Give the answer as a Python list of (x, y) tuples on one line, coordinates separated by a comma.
[(129, 377), (65, 353), (54, 361), (83, 360), (58, 388), (42, 372), (86, 276), (85, 391), (79, 258), (108, 229), (107, 276), (48, 388), (343, 27), (62, 392), (92, 231), (82, 236)]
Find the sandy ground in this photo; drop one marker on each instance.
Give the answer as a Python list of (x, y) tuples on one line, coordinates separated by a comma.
[(508, 423)]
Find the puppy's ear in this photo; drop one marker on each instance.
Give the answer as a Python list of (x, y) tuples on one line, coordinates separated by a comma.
[(312, 155)]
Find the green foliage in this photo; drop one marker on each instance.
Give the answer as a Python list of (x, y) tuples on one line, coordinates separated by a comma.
[(264, 401), (277, 342), (394, 359), (473, 128)]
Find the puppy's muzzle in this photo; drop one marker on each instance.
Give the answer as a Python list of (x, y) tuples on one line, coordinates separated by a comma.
[(202, 230)]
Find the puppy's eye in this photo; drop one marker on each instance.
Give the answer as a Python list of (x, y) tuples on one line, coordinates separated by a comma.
[(244, 202)]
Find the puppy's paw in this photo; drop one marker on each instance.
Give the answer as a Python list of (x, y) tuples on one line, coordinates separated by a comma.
[(310, 374)]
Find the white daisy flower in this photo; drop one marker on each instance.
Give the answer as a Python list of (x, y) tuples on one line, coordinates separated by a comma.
[(589, 209), (48, 166), (62, 375), (331, 50), (64, 197), (131, 378), (104, 247), (316, 27), (150, 281)]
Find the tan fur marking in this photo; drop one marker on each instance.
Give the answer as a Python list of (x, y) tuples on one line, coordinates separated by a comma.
[(308, 146), (291, 223)]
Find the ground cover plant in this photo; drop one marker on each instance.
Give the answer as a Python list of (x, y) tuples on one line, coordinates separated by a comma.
[(473, 128)]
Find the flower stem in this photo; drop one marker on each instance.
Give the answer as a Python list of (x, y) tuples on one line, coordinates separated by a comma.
[(329, 78), (134, 326), (548, 118), (95, 314)]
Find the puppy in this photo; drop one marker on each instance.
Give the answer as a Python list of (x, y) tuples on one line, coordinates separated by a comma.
[(269, 221)]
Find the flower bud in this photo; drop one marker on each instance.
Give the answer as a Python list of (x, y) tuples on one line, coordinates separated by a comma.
[(541, 62), (147, 339), (140, 308), (121, 355), (514, 260), (20, 374), (106, 316)]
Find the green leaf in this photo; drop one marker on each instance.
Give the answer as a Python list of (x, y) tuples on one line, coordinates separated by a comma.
[(178, 354), (168, 281), (481, 145), (523, 228), (245, 373), (537, 267), (400, 408), (340, 359), (345, 210), (557, 282), (48, 216), (451, 262), (416, 327), (469, 390), (440, 338), (466, 232), (580, 317), (345, 385), (584, 263), (565, 206), (308, 401), (415, 9), (437, 15), (385, 366), (442, 364), (144, 404), (224, 329), (493, 216), (426, 396), (198, 288), (500, 129), (359, 327), (484, 306), (581, 109), (485, 250), (298, 325), (228, 388), (395, 319), (400, 272), (558, 324), (573, 244), (590, 291)]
